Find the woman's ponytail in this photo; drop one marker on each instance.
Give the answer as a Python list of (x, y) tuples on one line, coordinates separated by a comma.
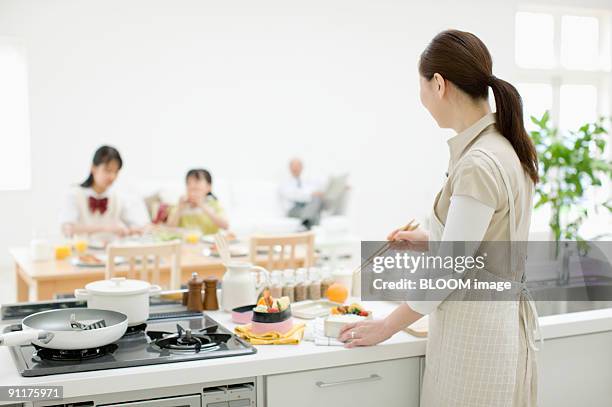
[(463, 59), (510, 124)]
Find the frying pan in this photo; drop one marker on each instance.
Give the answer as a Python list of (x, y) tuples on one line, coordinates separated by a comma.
[(51, 329)]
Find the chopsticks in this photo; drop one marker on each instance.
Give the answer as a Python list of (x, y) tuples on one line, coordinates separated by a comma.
[(410, 226), (223, 247)]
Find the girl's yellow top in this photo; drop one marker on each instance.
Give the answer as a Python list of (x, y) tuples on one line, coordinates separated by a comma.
[(196, 218)]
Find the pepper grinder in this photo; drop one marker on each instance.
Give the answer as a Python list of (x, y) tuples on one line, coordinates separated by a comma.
[(210, 294), (194, 296)]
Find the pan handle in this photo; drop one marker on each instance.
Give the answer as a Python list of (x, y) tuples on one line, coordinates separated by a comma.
[(25, 337)]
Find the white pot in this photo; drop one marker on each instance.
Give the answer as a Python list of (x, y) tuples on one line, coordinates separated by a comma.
[(130, 297)]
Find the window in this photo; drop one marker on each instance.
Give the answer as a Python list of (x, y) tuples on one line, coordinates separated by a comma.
[(579, 42), (563, 64), (14, 122), (534, 35)]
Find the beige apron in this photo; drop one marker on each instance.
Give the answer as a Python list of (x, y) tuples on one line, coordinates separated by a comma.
[(481, 353)]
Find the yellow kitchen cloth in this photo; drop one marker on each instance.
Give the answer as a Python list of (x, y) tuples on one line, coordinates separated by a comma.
[(293, 337)]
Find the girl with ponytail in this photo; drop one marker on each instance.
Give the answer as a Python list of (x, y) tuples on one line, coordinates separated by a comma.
[(93, 208), (479, 353)]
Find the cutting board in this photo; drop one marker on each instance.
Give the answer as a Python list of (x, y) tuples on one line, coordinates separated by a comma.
[(419, 328)]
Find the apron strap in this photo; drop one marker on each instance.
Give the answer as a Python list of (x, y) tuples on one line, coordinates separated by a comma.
[(529, 312)]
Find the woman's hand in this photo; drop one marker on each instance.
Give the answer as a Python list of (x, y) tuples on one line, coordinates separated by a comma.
[(364, 333), (417, 239)]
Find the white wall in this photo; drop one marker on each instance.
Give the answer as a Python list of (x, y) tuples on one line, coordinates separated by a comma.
[(238, 87)]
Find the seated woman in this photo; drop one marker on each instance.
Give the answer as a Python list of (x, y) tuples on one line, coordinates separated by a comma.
[(93, 208), (199, 208)]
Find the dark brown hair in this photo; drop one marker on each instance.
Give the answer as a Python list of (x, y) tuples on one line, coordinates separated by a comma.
[(103, 155), (200, 174), (462, 58)]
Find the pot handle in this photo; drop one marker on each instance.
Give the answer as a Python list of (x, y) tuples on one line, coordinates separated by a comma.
[(25, 337), (266, 280), (81, 294), (155, 289)]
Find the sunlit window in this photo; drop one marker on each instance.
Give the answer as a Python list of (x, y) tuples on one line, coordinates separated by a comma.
[(534, 36), (14, 122), (580, 42), (564, 63)]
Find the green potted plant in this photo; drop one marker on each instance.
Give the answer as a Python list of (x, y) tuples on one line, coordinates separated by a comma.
[(571, 164)]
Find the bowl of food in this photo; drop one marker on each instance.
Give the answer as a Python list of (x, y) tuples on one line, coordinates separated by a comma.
[(343, 315), (272, 315)]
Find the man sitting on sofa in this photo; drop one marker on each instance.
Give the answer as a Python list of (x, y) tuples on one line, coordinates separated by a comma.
[(301, 198)]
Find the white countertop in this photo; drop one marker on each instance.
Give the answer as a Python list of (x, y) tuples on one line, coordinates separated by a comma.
[(271, 359)]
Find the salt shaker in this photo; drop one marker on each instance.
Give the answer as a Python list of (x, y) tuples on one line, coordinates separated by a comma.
[(211, 302), (276, 288), (326, 281), (194, 294), (301, 287), (289, 285), (314, 285)]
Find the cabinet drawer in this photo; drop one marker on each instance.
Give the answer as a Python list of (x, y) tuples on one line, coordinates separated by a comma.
[(389, 383)]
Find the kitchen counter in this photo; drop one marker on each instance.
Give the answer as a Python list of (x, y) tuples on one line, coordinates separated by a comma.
[(272, 359)]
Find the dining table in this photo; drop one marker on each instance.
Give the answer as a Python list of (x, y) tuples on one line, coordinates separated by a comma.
[(48, 279)]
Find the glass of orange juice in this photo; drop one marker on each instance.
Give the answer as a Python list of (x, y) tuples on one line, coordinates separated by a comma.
[(80, 243), (192, 236), (63, 250)]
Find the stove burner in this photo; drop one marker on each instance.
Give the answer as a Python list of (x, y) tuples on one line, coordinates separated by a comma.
[(73, 355), (186, 340), (135, 330)]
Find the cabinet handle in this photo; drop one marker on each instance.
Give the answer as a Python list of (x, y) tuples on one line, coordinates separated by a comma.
[(370, 378)]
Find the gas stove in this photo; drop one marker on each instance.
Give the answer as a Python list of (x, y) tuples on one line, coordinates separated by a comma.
[(167, 337)]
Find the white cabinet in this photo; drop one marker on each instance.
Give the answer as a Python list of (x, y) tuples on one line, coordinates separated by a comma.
[(576, 371), (389, 383)]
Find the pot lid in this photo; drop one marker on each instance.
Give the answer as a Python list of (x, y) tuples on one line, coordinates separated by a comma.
[(118, 286)]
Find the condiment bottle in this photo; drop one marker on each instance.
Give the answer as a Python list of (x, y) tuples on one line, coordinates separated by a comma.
[(276, 288), (211, 302), (194, 295), (301, 289), (314, 284), (326, 281), (288, 285)]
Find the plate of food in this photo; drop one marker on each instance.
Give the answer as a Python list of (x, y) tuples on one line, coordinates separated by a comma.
[(94, 260), (237, 251), (210, 239)]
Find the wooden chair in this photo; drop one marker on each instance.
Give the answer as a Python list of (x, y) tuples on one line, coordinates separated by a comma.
[(282, 250), (149, 256)]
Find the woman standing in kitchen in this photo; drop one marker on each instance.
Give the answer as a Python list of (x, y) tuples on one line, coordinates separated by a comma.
[(94, 208), (479, 353)]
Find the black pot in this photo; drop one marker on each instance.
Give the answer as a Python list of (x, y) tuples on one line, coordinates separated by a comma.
[(271, 317)]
